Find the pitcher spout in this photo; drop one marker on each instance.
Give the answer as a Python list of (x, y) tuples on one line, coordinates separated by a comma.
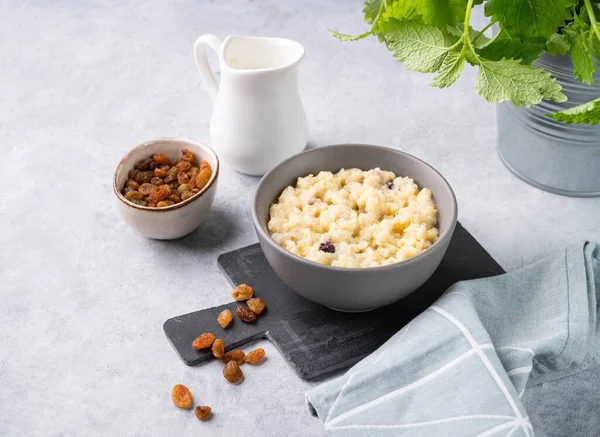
[(241, 53)]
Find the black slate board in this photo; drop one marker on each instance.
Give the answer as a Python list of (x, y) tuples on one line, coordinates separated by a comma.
[(314, 339)]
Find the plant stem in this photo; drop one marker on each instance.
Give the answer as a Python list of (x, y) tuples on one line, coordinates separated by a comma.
[(481, 32), (466, 31), (593, 22)]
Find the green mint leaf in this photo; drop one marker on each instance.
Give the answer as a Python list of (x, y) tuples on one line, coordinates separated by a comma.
[(344, 37), (421, 47), (400, 10), (371, 10), (556, 45), (450, 70), (508, 79), (585, 113), (441, 12), (576, 34), (505, 46), (533, 20)]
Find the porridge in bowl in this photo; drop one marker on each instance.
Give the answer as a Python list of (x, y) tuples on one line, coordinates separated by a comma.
[(354, 218)]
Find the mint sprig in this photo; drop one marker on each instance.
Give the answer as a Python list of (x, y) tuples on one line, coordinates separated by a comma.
[(435, 36)]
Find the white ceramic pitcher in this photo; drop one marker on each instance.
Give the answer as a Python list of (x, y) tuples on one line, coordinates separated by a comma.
[(258, 119)]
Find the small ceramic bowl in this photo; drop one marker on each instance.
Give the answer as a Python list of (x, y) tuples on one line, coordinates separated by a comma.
[(172, 221), (353, 289)]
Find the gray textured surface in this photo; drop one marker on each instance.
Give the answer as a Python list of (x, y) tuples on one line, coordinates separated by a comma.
[(82, 299)]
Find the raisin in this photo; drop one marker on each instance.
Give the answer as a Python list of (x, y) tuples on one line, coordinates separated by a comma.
[(235, 355), (147, 188), (218, 348), (327, 247), (139, 202), (132, 173), (245, 315), (203, 412), (254, 356), (225, 317), (161, 159), (181, 395), (132, 184), (203, 175), (175, 198), (187, 194), (188, 156), (156, 181), (184, 165), (160, 173), (164, 203), (182, 188), (165, 187), (182, 177), (134, 195), (152, 166), (242, 292), (204, 341), (143, 165), (232, 372), (128, 190), (256, 304), (158, 195), (195, 190), (144, 177), (390, 185)]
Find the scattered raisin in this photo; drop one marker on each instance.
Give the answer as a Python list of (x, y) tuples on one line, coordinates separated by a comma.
[(245, 314), (327, 247), (236, 355), (218, 348), (225, 317), (203, 412), (147, 188), (181, 395), (232, 372), (256, 304), (161, 159), (204, 341), (254, 356), (143, 165), (242, 292)]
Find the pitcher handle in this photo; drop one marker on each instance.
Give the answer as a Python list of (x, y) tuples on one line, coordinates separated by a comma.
[(206, 73)]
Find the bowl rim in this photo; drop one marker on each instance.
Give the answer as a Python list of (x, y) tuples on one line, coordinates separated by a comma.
[(264, 236), (182, 140)]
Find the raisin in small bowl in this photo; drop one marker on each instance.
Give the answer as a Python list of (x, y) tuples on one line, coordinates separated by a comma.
[(165, 187)]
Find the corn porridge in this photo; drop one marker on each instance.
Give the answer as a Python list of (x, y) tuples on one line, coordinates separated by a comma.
[(354, 218)]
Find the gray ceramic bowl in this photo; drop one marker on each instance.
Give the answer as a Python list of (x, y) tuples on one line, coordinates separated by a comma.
[(353, 289)]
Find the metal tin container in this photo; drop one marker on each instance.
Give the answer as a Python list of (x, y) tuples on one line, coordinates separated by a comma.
[(557, 157)]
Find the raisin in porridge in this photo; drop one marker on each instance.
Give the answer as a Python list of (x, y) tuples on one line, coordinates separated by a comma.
[(354, 218)]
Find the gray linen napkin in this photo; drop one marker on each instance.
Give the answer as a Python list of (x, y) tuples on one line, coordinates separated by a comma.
[(460, 368)]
